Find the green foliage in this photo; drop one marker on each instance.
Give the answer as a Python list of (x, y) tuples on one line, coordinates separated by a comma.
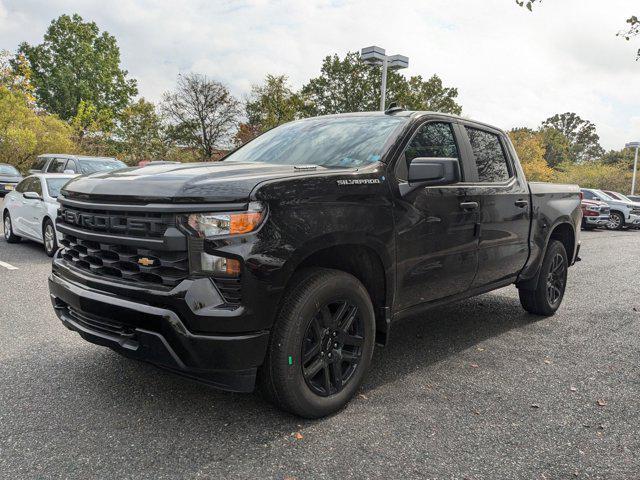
[(25, 134), (77, 63), (557, 147), (584, 142), (350, 85), (140, 133), (272, 103)]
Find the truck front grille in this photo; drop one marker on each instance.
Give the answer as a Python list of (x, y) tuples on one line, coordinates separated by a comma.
[(133, 264), (130, 224)]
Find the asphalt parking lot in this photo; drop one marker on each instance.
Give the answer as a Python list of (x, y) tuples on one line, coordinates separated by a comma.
[(477, 390)]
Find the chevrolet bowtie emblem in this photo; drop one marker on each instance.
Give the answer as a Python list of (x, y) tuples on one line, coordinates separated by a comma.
[(146, 261)]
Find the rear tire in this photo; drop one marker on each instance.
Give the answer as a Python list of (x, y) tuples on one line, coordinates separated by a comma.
[(9, 236), (49, 238), (549, 292), (321, 344)]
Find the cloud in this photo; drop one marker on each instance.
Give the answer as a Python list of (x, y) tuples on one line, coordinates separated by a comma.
[(512, 67)]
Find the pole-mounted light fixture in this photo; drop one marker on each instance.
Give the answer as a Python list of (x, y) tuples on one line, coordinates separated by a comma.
[(376, 56)]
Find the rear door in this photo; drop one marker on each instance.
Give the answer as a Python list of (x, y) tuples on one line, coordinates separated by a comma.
[(435, 225), (505, 211)]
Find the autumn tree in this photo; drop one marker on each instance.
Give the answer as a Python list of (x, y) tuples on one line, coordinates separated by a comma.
[(201, 113), (530, 148), (78, 63), (25, 133), (584, 142)]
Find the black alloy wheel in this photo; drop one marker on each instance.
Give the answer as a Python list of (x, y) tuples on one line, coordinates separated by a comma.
[(556, 280), (332, 347)]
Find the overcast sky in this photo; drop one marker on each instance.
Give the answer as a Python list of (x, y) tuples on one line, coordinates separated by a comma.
[(512, 67)]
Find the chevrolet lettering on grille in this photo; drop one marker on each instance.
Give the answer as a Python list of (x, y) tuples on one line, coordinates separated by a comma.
[(112, 223)]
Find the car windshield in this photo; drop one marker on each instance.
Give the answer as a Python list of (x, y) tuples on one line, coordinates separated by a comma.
[(342, 142), (92, 166), (622, 197), (602, 195), (9, 171), (54, 185)]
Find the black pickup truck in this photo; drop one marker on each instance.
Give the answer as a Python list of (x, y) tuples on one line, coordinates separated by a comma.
[(285, 263)]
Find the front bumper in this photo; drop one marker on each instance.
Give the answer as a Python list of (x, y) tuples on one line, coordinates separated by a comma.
[(158, 335), (633, 220), (598, 221)]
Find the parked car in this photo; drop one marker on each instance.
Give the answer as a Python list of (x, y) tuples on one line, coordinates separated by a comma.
[(624, 198), (59, 163), (285, 262), (594, 214), (30, 210), (9, 178), (623, 212)]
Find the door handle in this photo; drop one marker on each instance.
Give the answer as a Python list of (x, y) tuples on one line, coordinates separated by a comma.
[(469, 206), (521, 203)]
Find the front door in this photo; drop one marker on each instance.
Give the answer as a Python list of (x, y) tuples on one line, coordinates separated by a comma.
[(435, 225)]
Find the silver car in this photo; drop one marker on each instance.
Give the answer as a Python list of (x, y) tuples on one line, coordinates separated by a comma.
[(30, 210)]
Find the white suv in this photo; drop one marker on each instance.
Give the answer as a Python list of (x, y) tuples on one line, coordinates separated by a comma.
[(624, 212)]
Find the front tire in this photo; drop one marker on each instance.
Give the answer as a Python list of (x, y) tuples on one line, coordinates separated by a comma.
[(616, 221), (321, 344), (552, 281), (49, 238), (9, 236)]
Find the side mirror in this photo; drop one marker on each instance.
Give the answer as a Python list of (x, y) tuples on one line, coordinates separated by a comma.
[(434, 171), (32, 196)]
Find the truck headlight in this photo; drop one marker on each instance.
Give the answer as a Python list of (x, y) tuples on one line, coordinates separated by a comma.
[(211, 225)]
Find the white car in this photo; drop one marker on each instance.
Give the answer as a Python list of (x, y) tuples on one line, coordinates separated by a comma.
[(624, 212), (30, 210)]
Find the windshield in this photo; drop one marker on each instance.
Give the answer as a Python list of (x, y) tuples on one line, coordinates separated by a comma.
[(92, 166), (54, 185), (9, 171), (341, 142), (621, 197), (602, 195)]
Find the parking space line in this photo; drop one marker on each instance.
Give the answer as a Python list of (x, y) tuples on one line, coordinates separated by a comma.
[(7, 266)]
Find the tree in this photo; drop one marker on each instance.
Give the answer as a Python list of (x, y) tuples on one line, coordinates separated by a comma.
[(77, 63), (531, 150), (557, 147), (92, 129), (25, 133), (15, 75), (583, 139), (350, 85), (140, 133), (429, 95), (201, 113), (615, 177), (272, 103)]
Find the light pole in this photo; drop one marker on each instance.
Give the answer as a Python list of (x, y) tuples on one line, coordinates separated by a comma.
[(635, 145), (376, 56)]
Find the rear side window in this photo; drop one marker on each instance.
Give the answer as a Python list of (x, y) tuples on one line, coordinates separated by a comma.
[(490, 158), (39, 163), (57, 166)]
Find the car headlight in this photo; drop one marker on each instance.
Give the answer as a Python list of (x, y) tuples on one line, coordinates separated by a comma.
[(211, 225)]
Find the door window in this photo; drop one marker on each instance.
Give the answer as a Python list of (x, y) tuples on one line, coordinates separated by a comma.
[(588, 195), (432, 140), (71, 165), (490, 158), (21, 187), (39, 163), (57, 166), (36, 186)]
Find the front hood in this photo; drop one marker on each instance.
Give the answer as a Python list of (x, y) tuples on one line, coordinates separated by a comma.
[(188, 182), (9, 179)]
